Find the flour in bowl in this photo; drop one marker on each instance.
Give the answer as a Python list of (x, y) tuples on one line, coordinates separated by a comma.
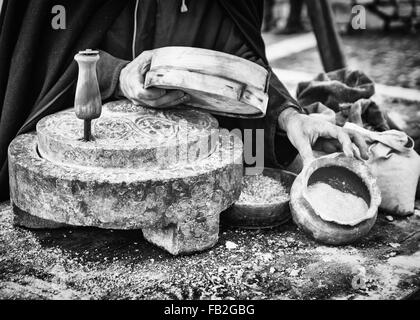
[(334, 205), (260, 189)]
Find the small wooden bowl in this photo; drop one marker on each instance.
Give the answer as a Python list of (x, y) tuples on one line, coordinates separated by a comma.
[(342, 173), (217, 82), (261, 216)]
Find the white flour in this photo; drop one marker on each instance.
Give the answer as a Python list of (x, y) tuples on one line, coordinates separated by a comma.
[(333, 205)]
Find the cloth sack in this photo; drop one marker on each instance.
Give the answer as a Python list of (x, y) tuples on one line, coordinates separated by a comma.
[(347, 94), (336, 87), (397, 175), (395, 165)]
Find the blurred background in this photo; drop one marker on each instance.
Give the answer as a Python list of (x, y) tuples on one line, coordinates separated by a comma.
[(379, 37), (387, 49)]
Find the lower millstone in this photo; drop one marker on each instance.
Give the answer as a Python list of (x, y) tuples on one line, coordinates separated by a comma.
[(177, 209)]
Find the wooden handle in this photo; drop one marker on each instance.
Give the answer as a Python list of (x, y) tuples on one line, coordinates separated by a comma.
[(87, 101)]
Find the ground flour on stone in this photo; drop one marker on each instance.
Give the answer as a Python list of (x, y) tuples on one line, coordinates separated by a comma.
[(262, 189), (333, 205)]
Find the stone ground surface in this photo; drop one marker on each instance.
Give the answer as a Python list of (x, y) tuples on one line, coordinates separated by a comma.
[(281, 263)]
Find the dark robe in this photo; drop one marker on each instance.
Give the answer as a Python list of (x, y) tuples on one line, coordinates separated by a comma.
[(38, 74)]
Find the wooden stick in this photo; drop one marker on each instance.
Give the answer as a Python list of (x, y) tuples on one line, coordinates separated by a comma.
[(329, 46)]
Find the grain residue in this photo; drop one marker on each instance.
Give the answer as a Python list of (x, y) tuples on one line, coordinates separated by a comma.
[(260, 189)]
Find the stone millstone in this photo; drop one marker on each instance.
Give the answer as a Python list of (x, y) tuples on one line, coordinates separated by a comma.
[(177, 208), (128, 136)]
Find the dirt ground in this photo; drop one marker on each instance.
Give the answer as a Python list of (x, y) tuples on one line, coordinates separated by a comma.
[(279, 263)]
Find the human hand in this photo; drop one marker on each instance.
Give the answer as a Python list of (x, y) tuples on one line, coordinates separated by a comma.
[(131, 86), (306, 133)]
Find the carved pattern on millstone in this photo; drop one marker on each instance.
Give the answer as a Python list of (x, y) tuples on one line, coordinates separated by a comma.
[(112, 129), (157, 128), (129, 136)]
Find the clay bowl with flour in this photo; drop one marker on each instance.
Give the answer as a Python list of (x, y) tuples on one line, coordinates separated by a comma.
[(264, 201), (335, 199)]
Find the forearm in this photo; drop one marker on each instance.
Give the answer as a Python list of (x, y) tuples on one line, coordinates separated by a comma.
[(278, 150)]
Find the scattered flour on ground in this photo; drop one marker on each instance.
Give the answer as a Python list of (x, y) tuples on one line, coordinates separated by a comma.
[(407, 262)]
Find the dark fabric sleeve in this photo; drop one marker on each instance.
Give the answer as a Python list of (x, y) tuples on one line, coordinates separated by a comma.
[(248, 16), (37, 70), (279, 152), (108, 71)]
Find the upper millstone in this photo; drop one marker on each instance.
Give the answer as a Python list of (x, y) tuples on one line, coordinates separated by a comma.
[(129, 136)]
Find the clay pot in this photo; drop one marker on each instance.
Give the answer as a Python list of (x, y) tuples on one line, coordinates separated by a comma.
[(347, 175), (261, 216)]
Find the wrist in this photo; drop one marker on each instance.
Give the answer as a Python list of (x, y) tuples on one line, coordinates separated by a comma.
[(286, 116), (118, 90)]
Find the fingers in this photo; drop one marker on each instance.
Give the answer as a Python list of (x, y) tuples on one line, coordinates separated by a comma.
[(184, 99), (131, 84), (304, 131), (346, 139), (173, 98), (140, 93), (170, 99), (137, 92), (329, 130), (360, 143), (345, 142), (150, 93), (131, 80)]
